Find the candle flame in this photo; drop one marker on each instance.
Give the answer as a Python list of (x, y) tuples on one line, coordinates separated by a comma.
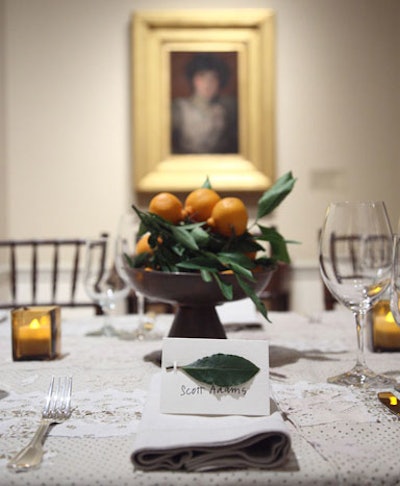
[(389, 317), (35, 324)]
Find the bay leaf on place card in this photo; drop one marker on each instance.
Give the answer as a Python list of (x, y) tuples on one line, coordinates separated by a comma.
[(221, 369)]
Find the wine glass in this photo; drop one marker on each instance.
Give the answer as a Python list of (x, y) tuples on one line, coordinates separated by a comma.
[(104, 285), (128, 235), (355, 263), (395, 281)]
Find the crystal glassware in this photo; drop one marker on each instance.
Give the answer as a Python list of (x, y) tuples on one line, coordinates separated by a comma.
[(355, 263), (128, 231), (104, 286), (395, 281)]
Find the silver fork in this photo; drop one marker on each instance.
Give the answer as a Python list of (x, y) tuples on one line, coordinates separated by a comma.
[(56, 410)]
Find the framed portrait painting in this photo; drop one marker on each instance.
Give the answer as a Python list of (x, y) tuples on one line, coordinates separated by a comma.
[(203, 100)]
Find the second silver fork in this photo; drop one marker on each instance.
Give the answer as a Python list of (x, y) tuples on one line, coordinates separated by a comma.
[(56, 410)]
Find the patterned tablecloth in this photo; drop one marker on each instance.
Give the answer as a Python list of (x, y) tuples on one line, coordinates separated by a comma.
[(339, 436)]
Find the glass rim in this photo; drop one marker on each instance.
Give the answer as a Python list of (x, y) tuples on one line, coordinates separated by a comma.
[(359, 203)]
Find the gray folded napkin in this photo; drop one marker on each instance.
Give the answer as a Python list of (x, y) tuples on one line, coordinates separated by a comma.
[(202, 443)]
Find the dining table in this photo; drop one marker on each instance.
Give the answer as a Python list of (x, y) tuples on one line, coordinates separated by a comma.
[(339, 435)]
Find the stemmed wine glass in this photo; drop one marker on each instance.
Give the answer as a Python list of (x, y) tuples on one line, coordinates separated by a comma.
[(104, 285), (355, 263), (128, 231), (395, 281)]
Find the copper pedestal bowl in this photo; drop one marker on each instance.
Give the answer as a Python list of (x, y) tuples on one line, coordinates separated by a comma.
[(196, 299)]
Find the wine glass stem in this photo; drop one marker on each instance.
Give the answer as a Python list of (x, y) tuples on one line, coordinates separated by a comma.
[(361, 318), (140, 307), (108, 328), (141, 314)]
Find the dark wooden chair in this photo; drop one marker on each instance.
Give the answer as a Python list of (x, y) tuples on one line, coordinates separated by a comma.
[(276, 295), (157, 307), (328, 300), (44, 272), (373, 250)]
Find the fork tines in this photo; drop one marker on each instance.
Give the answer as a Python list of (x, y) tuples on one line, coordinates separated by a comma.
[(58, 403)]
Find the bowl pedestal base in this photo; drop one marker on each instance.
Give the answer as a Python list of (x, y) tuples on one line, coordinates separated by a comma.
[(196, 299), (197, 321)]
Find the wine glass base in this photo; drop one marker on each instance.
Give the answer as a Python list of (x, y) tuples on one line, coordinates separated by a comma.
[(365, 378), (107, 331), (139, 335)]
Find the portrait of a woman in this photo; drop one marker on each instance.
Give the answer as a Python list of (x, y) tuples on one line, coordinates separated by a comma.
[(205, 121)]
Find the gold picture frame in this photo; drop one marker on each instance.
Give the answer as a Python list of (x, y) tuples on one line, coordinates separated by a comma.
[(158, 37)]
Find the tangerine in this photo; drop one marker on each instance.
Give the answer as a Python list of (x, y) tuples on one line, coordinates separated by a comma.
[(168, 206), (227, 272), (229, 217), (143, 246), (200, 203)]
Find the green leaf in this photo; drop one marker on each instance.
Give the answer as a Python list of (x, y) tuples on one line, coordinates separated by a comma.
[(235, 258), (244, 244), (222, 370), (193, 265), (208, 261), (254, 297), (205, 275), (200, 236), (278, 244), (184, 237), (244, 272), (275, 195), (226, 289), (207, 183)]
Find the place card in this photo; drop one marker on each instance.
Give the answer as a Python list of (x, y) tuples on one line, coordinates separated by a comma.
[(36, 333), (215, 376)]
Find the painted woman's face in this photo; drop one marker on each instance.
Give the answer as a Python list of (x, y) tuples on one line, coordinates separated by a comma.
[(206, 84)]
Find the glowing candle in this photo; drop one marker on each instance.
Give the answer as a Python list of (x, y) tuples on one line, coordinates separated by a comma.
[(35, 338), (385, 332), (36, 333)]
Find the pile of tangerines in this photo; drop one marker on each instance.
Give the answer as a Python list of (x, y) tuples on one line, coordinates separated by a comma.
[(209, 232), (225, 216)]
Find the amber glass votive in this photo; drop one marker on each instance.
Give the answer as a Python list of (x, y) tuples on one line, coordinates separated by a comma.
[(385, 333), (36, 333)]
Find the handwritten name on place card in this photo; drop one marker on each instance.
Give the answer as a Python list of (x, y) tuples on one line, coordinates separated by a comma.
[(183, 393)]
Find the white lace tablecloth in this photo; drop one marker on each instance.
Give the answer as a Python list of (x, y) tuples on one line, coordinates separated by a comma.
[(339, 436)]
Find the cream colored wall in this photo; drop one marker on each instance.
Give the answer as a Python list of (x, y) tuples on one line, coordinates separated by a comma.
[(3, 199), (67, 130)]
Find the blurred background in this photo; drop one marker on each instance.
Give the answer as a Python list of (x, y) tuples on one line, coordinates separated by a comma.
[(65, 115)]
